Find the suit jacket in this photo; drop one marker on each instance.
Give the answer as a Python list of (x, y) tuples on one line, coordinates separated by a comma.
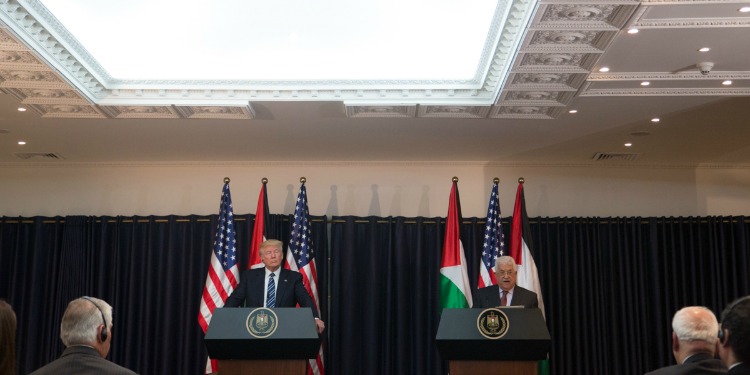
[(490, 297), (701, 363), (81, 360), (290, 290), (741, 369)]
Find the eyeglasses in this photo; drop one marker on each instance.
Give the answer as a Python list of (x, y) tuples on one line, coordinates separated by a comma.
[(505, 273)]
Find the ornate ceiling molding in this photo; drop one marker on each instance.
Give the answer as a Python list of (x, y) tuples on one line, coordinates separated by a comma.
[(538, 55), (31, 22)]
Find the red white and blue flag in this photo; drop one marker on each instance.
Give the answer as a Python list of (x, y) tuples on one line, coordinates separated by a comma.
[(260, 233), (223, 273), (300, 257), (494, 241)]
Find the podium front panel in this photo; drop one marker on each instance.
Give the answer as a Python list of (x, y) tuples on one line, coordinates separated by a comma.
[(295, 336), (526, 339)]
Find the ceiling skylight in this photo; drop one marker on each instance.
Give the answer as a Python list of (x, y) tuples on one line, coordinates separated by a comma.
[(292, 40)]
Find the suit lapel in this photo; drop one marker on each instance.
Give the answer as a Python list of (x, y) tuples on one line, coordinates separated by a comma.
[(281, 288)]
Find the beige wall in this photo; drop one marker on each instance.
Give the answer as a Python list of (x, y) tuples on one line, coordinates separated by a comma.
[(380, 189)]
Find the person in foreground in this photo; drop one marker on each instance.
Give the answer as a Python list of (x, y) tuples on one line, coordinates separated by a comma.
[(7, 339), (86, 331), (506, 292), (734, 337), (693, 343), (272, 286)]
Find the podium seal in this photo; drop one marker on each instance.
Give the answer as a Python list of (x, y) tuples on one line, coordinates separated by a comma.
[(261, 322), (492, 323)]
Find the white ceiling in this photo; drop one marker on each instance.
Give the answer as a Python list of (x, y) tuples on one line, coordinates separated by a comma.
[(521, 116)]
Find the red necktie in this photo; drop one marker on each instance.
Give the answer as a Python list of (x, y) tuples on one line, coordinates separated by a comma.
[(504, 300)]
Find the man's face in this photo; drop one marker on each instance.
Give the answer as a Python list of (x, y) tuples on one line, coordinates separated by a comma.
[(271, 257), (506, 276)]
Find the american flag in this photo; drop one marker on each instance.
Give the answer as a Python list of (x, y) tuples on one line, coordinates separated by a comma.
[(223, 272), (494, 241), (300, 257)]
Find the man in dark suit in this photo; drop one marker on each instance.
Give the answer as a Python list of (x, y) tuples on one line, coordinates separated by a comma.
[(693, 343), (734, 337), (86, 331), (506, 292), (272, 286)]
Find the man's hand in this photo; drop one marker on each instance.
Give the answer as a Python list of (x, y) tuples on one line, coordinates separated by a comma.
[(321, 326)]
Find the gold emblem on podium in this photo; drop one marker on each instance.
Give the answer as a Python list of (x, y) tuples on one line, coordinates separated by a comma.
[(262, 322), (492, 323)]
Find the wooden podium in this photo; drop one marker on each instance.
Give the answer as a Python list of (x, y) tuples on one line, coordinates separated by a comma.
[(248, 341), (524, 342)]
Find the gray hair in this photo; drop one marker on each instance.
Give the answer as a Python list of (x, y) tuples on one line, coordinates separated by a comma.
[(82, 319), (695, 323), (505, 259)]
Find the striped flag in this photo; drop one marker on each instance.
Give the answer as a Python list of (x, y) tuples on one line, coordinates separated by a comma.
[(260, 232), (300, 257), (454, 279), (494, 241), (521, 247), (223, 272)]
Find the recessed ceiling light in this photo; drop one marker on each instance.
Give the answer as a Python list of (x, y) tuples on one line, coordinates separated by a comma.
[(704, 49), (573, 111), (21, 143), (628, 144), (655, 119), (727, 83), (645, 83), (745, 9), (21, 109), (604, 69), (633, 30)]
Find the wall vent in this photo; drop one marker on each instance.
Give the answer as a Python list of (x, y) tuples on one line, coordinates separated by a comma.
[(615, 156), (38, 155)]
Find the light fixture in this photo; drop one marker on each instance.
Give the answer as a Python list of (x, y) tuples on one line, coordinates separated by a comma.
[(727, 83), (655, 119), (745, 9), (21, 143), (645, 83), (628, 144), (704, 49), (573, 111), (633, 30), (604, 69), (21, 109)]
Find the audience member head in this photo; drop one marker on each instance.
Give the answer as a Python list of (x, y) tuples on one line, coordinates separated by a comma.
[(734, 332), (7, 339), (271, 254), (505, 272), (87, 321), (693, 330)]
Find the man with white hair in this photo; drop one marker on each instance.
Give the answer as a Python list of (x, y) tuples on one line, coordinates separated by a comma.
[(506, 292), (694, 343), (86, 331)]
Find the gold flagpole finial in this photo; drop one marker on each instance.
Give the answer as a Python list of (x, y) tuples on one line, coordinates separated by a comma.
[(521, 180), (264, 180), (496, 180), (302, 179), (454, 179), (226, 180)]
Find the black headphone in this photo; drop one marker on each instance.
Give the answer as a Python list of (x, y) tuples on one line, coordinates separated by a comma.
[(729, 309), (103, 335)]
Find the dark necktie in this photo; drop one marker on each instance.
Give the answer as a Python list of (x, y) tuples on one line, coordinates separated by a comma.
[(504, 299), (271, 293)]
